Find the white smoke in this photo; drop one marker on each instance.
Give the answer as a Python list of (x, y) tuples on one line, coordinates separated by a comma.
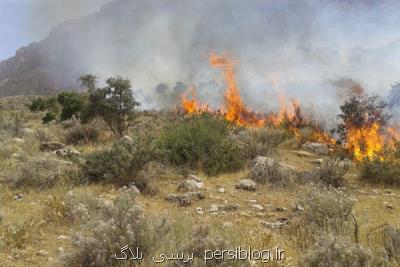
[(296, 48)]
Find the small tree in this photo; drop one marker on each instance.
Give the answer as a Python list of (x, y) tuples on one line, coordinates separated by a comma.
[(72, 104), (362, 111), (89, 82), (113, 103)]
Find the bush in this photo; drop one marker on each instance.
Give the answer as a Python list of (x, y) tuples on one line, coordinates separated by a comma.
[(335, 252), (39, 173), (113, 226), (259, 142), (49, 117), (201, 142), (386, 238), (72, 104), (386, 171), (13, 125), (82, 135), (331, 173), (269, 171), (121, 163), (327, 209)]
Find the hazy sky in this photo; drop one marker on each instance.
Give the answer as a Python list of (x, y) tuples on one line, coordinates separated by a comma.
[(24, 21)]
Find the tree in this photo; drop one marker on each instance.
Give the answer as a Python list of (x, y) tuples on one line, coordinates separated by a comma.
[(89, 82), (362, 112), (113, 103)]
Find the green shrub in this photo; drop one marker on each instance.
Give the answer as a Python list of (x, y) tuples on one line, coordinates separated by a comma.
[(332, 251), (82, 135), (72, 104), (201, 142), (49, 117), (379, 171), (121, 163)]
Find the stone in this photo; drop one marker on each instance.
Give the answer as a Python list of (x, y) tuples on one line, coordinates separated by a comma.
[(190, 185), (194, 195), (272, 225), (199, 210), (229, 207), (304, 154), (227, 225), (127, 139), (281, 209), (214, 208), (257, 207), (299, 208), (317, 148), (318, 162), (184, 201), (50, 147), (194, 178), (63, 238), (246, 184), (244, 214), (19, 197), (171, 197), (67, 153), (221, 190)]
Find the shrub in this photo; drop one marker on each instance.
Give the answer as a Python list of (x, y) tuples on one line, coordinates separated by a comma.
[(269, 171), (13, 125), (328, 209), (39, 173), (387, 238), (113, 226), (331, 173), (82, 135), (259, 142), (332, 251), (121, 163), (386, 171), (201, 142), (49, 117)]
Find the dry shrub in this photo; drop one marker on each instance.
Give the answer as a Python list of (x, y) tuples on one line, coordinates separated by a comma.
[(40, 173), (331, 173), (79, 135), (13, 124), (269, 171), (331, 251), (113, 226), (16, 234), (259, 142), (386, 240)]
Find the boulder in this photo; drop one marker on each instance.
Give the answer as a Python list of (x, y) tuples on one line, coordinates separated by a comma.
[(190, 185), (52, 146), (246, 184), (317, 148)]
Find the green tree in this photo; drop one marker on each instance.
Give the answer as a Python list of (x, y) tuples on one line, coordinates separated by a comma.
[(113, 103)]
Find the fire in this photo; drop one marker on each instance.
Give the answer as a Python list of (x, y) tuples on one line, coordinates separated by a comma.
[(365, 142), (192, 106)]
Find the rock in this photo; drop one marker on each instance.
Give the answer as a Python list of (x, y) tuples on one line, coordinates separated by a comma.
[(227, 225), (194, 178), (42, 253), (131, 188), (229, 207), (184, 201), (67, 153), (388, 205), (220, 190), (49, 147), (194, 195), (318, 162), (199, 210), (281, 209), (214, 208), (190, 185), (257, 207), (272, 225), (127, 139), (375, 192), (252, 201), (246, 184), (63, 238), (317, 148), (171, 197), (19, 140), (244, 214), (304, 154), (299, 208), (268, 170), (19, 197)]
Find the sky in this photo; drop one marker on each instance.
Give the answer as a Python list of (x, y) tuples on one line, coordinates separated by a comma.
[(25, 21)]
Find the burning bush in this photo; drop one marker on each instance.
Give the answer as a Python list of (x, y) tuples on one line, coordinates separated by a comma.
[(201, 142), (121, 163), (363, 123)]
